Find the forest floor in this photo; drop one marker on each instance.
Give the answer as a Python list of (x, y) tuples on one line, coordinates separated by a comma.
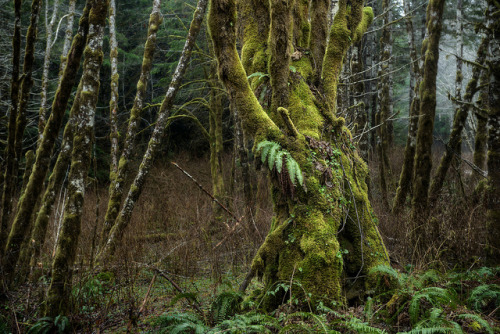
[(171, 277)]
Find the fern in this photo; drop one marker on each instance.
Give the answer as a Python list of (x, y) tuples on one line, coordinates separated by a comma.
[(225, 306), (179, 323), (483, 295), (59, 325), (274, 155), (362, 327), (246, 323), (432, 330), (433, 295), (475, 318)]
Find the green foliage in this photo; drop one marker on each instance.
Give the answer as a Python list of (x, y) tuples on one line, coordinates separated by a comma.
[(434, 295), (484, 295), (478, 323), (225, 306), (95, 291), (275, 154), (59, 325), (179, 322)]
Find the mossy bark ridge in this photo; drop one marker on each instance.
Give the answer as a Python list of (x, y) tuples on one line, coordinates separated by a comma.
[(57, 301), (423, 151), (310, 227), (123, 219), (44, 151), (459, 122), (493, 191), (118, 176)]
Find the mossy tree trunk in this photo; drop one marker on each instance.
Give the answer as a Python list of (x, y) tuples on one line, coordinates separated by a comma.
[(455, 142), (405, 178), (42, 112), (113, 103), (118, 177), (68, 36), (123, 218), (423, 151), (493, 190), (57, 301), (311, 224), (10, 154), (44, 152)]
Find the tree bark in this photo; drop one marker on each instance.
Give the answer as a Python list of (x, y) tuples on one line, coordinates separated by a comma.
[(423, 151), (303, 244), (57, 301), (123, 219), (113, 103), (119, 177), (44, 151)]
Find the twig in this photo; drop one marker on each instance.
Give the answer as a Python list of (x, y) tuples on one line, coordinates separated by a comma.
[(141, 309)]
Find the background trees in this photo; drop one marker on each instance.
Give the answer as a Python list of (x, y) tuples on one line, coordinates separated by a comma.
[(315, 127)]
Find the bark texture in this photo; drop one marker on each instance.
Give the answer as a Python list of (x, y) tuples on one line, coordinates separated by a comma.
[(119, 176), (57, 301), (44, 152)]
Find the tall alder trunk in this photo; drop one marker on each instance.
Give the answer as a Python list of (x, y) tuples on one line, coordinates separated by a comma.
[(68, 36), (123, 219), (423, 152), (10, 155), (493, 190), (58, 294), (459, 122), (113, 103), (42, 112), (358, 91), (304, 244), (405, 178), (118, 177), (44, 152)]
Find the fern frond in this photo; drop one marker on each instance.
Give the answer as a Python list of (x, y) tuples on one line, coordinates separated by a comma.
[(225, 306), (432, 294), (389, 271), (273, 151), (483, 294), (291, 166), (483, 323), (279, 160), (432, 330)]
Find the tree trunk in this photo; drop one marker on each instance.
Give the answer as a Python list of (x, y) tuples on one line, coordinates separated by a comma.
[(304, 244), (44, 151), (455, 142), (493, 190), (113, 103), (57, 301), (42, 113), (68, 36), (405, 178), (423, 151), (118, 178), (123, 219), (10, 154), (481, 137)]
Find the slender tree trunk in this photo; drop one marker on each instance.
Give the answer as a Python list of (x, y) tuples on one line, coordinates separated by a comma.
[(123, 219), (405, 178), (44, 151), (10, 154), (423, 152), (57, 301), (481, 138), (42, 113), (119, 177), (113, 103), (455, 142), (68, 36), (493, 190)]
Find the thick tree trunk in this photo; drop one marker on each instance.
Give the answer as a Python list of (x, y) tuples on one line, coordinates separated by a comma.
[(309, 228), (118, 178), (493, 190), (423, 152), (68, 36), (455, 142), (123, 219), (57, 301), (44, 151)]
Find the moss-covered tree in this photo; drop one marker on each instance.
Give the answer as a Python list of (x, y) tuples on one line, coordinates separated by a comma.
[(57, 301), (423, 150), (318, 179)]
